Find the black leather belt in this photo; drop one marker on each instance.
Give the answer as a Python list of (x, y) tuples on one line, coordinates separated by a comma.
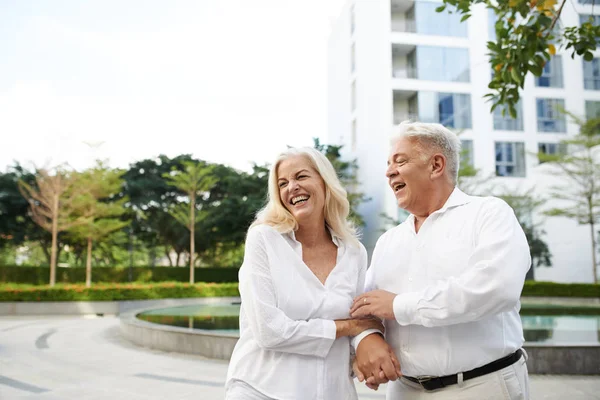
[(438, 382)]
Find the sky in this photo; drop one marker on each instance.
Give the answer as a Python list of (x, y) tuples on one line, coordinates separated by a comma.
[(230, 81)]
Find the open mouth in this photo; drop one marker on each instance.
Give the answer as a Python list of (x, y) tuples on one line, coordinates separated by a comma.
[(398, 186), (299, 199)]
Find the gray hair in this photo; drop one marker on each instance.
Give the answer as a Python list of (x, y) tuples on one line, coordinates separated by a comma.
[(432, 136)]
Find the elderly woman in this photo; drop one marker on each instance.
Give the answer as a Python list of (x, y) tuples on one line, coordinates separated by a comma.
[(303, 265)]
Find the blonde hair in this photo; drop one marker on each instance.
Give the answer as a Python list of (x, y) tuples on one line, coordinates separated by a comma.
[(434, 136), (337, 206)]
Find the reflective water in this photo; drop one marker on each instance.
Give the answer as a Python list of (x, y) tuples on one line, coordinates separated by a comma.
[(220, 318), (224, 318), (562, 329)]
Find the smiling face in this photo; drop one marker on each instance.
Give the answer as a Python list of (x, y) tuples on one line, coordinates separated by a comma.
[(301, 189), (409, 175)]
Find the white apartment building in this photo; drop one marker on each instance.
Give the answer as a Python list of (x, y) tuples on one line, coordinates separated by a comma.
[(393, 60)]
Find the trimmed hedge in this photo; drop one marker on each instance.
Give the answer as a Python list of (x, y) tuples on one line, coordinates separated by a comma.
[(41, 275), (552, 289), (116, 291)]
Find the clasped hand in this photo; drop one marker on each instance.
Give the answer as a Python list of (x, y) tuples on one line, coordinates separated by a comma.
[(375, 360)]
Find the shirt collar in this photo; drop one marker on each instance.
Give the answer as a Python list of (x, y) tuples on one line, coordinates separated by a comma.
[(456, 198)]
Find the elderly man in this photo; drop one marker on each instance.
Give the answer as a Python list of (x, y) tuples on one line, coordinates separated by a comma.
[(447, 281)]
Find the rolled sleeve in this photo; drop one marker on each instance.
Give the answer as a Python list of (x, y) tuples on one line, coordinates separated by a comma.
[(405, 308)]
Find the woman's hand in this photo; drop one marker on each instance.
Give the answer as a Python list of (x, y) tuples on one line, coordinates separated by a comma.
[(352, 327)]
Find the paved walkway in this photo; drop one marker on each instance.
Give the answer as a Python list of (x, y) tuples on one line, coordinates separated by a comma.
[(73, 358)]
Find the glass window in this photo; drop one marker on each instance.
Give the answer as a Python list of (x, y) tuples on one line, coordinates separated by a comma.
[(430, 22), (506, 122), (551, 148), (510, 159), (440, 64), (549, 117), (552, 75), (583, 18), (591, 74), (452, 110), (466, 155), (592, 109), (590, 2)]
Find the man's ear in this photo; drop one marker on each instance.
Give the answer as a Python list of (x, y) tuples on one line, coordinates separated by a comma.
[(438, 166)]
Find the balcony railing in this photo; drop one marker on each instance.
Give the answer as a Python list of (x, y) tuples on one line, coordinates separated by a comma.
[(406, 25), (398, 118), (458, 121), (404, 73)]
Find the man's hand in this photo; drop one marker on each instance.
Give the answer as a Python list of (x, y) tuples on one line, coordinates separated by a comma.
[(379, 303), (361, 376), (376, 361)]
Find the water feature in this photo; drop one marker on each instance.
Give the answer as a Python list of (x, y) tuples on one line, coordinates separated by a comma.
[(223, 318)]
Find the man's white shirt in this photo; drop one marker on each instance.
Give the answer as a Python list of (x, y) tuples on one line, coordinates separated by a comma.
[(458, 282), (287, 347)]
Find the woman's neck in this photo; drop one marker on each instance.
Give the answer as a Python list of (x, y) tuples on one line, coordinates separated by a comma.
[(310, 234)]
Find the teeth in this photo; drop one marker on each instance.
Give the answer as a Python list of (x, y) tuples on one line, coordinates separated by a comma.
[(297, 199), (399, 186)]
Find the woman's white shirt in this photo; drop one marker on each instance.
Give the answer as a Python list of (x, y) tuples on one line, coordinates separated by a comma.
[(287, 347)]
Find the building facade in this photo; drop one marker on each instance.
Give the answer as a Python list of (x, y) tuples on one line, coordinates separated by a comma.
[(396, 60)]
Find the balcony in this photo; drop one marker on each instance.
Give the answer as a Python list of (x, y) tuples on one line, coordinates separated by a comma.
[(430, 63), (420, 17), (453, 110)]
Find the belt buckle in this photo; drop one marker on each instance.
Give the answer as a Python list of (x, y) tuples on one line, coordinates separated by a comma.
[(424, 378), (429, 382)]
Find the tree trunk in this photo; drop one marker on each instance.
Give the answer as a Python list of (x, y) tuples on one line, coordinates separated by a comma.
[(192, 224), (88, 264), (168, 256), (54, 240), (177, 258), (594, 262)]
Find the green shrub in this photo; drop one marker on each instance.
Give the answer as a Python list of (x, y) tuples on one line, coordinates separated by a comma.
[(115, 292), (552, 289), (41, 275)]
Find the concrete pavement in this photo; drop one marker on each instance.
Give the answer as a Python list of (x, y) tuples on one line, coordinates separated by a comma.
[(76, 358)]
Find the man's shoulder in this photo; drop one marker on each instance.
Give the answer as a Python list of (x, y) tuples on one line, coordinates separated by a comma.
[(486, 202), (394, 231)]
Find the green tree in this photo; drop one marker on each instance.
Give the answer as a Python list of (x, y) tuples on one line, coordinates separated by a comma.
[(524, 205), (194, 181), (579, 171), (527, 33), (51, 202), (98, 206), (150, 198), (348, 173)]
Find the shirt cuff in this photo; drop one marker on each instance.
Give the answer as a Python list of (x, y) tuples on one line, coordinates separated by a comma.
[(358, 338), (405, 308)]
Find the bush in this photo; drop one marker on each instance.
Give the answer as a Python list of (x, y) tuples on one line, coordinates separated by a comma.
[(552, 289), (41, 275), (116, 292)]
